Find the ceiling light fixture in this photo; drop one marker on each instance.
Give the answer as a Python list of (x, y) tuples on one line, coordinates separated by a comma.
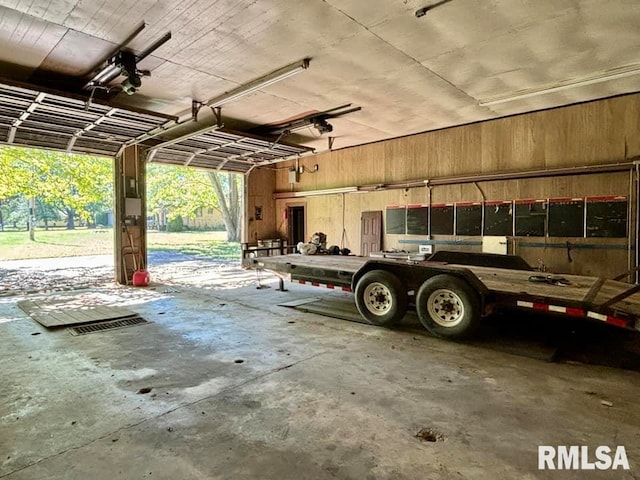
[(259, 83), (600, 77)]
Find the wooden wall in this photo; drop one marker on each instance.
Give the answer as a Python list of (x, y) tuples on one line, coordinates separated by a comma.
[(259, 188), (595, 133)]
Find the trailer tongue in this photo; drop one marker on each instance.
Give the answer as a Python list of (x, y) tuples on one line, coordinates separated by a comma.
[(451, 298)]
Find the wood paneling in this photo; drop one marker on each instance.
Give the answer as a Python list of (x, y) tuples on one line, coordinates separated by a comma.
[(588, 134), (259, 186)]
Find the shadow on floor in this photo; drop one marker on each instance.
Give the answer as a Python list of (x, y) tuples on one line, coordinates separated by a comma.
[(529, 334)]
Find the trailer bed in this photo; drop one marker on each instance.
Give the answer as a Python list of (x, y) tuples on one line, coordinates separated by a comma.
[(579, 295)]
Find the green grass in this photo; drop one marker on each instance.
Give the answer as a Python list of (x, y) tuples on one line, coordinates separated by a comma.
[(82, 241), (206, 244), (55, 243)]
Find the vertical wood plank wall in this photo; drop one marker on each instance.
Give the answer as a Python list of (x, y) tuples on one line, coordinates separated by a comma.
[(259, 188), (130, 232), (594, 133)]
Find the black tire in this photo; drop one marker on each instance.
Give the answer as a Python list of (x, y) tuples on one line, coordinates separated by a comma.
[(381, 298), (448, 307)]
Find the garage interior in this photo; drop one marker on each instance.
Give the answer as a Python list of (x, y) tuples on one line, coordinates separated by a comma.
[(459, 121)]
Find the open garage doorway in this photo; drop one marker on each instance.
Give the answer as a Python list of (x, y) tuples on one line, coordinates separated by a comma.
[(56, 220), (194, 221)]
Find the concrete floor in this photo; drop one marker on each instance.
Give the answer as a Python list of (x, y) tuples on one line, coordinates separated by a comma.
[(314, 397)]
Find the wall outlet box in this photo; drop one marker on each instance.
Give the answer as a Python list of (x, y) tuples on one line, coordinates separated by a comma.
[(293, 175), (425, 249)]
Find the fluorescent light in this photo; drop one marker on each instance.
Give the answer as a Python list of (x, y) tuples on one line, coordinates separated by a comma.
[(259, 83), (600, 77), (315, 193)]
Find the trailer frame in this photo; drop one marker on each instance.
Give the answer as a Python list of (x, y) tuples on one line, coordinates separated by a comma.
[(591, 298)]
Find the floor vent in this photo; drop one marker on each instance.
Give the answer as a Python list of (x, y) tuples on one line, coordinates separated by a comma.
[(108, 325)]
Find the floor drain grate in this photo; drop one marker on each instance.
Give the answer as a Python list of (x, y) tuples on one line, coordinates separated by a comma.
[(108, 325)]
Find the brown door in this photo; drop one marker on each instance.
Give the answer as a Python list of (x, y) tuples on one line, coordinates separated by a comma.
[(371, 236)]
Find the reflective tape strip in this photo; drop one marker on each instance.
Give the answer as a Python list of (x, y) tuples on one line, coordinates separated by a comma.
[(555, 308), (619, 322), (597, 316), (318, 284), (525, 304), (576, 312)]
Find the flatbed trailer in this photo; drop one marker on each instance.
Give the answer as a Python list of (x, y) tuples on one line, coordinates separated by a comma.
[(452, 298)]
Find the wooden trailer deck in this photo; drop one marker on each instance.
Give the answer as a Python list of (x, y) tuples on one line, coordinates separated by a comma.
[(597, 292), (599, 298)]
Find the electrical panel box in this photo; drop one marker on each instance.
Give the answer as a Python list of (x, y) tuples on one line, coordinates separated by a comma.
[(133, 207), (130, 187), (293, 175)]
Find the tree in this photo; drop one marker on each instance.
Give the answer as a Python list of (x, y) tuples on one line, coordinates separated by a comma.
[(14, 212), (69, 183), (228, 192), (181, 191), (46, 212)]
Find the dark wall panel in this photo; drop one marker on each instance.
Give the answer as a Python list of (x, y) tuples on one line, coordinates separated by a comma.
[(607, 217), (498, 218), (566, 217), (396, 219), (531, 218), (468, 219)]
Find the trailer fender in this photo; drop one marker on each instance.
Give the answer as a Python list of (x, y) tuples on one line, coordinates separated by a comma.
[(412, 275)]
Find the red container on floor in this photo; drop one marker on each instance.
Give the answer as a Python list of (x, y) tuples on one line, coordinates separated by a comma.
[(140, 278)]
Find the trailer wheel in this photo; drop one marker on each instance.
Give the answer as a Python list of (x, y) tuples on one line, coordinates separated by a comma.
[(448, 307), (381, 298)]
